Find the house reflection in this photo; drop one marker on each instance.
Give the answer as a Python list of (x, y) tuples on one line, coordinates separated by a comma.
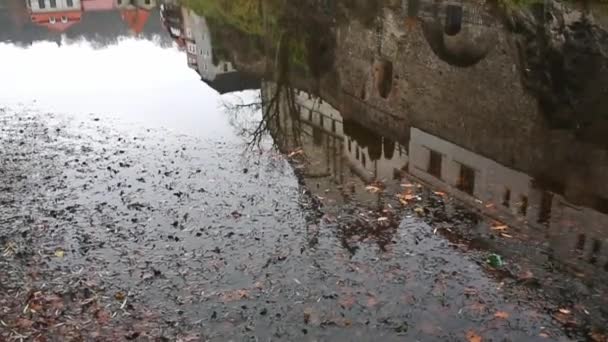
[(61, 15), (343, 156), (577, 235), (193, 34)]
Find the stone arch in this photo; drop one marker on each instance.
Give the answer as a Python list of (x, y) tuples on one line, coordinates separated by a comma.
[(464, 46)]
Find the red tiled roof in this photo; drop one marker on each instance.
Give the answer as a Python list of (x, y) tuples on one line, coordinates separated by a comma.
[(44, 19), (135, 18)]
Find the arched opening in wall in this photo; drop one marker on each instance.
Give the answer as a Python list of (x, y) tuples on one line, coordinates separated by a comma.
[(383, 77), (453, 20)]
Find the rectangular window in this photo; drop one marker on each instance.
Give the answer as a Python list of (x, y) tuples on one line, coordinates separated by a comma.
[(506, 198), (41, 4), (333, 126), (350, 147), (363, 160), (580, 242), (321, 121), (317, 136), (434, 167), (546, 203), (310, 115), (466, 181), (523, 206), (70, 3), (53, 4), (357, 153), (147, 2), (595, 250)]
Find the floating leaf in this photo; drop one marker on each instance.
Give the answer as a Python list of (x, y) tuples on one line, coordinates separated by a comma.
[(59, 253), (373, 189), (473, 336), (495, 260), (501, 315)]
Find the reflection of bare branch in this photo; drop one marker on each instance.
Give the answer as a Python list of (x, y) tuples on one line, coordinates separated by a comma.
[(277, 101)]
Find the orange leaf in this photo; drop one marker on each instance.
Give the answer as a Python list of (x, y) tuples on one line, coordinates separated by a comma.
[(501, 315), (372, 301), (473, 337)]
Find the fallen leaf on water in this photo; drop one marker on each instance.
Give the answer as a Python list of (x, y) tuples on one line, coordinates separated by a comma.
[(103, 316), (373, 189), (473, 337), (501, 315), (23, 323), (381, 219), (231, 296), (347, 302), (598, 337), (408, 185), (120, 296), (372, 301), (59, 253), (439, 193), (564, 311), (295, 153), (506, 235), (543, 335)]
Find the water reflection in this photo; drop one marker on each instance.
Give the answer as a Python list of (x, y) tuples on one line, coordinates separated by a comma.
[(497, 110)]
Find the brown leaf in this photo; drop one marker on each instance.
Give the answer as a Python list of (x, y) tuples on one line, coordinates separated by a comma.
[(371, 302), (231, 296), (119, 296), (597, 337), (103, 316), (473, 337), (24, 323), (501, 315), (347, 302)]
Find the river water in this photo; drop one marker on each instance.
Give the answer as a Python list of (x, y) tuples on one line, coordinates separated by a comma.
[(312, 171)]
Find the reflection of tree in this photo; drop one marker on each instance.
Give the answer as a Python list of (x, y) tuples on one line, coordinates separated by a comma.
[(277, 98)]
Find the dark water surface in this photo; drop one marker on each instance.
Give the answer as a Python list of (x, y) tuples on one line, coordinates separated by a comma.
[(270, 170)]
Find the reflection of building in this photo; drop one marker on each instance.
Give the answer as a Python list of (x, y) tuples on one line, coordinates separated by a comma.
[(192, 33), (135, 17), (97, 5), (60, 15), (338, 153), (56, 15), (200, 49), (172, 20), (133, 4), (574, 232)]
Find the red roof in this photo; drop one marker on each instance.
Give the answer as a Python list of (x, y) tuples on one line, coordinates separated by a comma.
[(135, 18), (45, 19)]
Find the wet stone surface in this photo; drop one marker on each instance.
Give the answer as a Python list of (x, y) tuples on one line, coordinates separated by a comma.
[(149, 235)]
